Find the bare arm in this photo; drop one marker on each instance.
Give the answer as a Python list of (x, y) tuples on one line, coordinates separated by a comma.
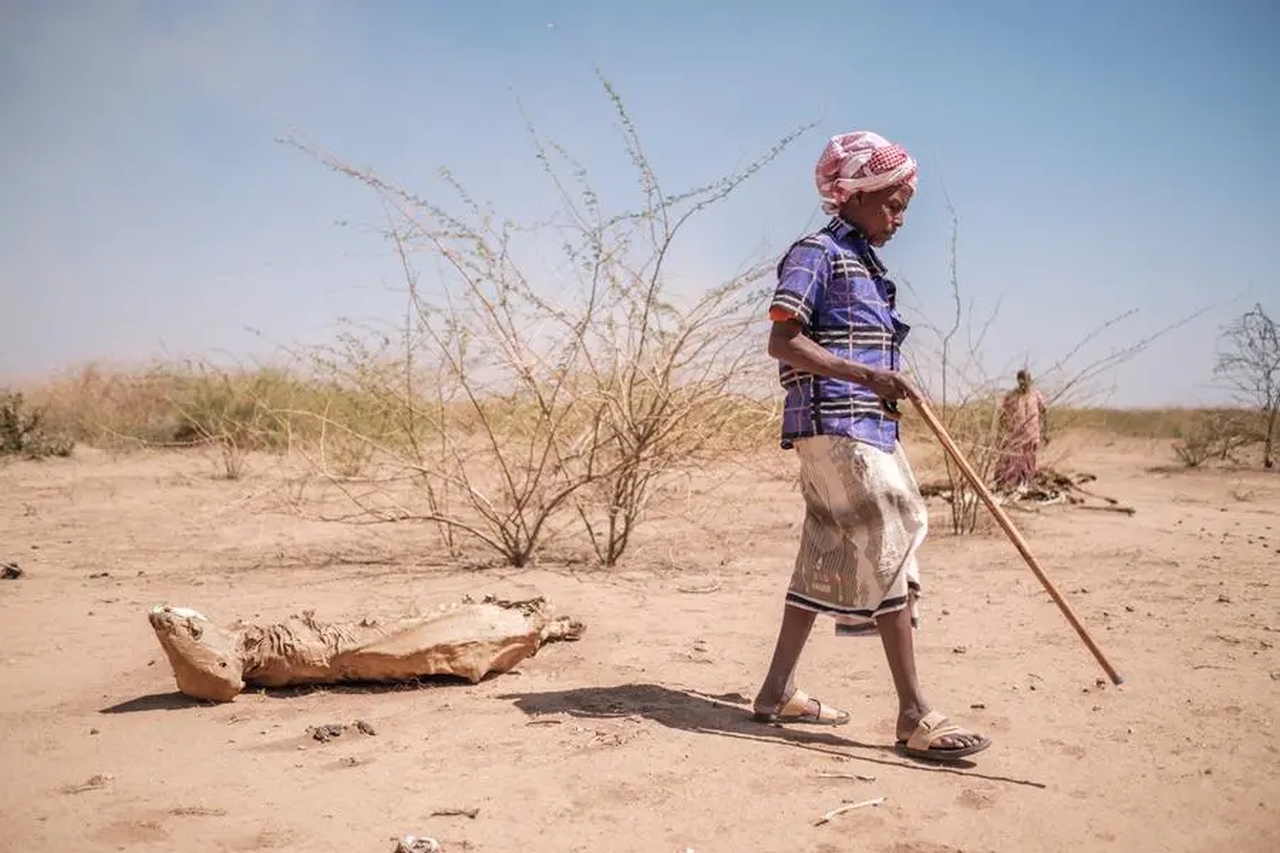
[(789, 345)]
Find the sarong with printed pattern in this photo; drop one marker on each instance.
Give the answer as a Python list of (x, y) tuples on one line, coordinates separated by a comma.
[(864, 522)]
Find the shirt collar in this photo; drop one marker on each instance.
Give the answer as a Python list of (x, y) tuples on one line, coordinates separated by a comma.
[(844, 230)]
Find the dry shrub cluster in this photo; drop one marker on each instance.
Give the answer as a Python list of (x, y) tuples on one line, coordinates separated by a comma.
[(123, 408), (188, 404), (951, 362), (1217, 435), (25, 433), (521, 404), (1248, 363), (1151, 423)]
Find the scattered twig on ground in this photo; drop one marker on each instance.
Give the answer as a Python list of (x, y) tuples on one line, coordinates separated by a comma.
[(857, 776), (836, 812), (94, 782), (469, 813), (700, 590), (1126, 510)]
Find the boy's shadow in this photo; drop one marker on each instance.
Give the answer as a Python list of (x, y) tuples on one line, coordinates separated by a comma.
[(725, 715), (691, 711)]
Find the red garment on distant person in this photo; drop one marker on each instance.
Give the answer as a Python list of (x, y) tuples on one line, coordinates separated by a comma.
[(1020, 433)]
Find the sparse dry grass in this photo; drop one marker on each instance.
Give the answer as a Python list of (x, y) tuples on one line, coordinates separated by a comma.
[(504, 404), (179, 404), (1137, 423), (356, 438)]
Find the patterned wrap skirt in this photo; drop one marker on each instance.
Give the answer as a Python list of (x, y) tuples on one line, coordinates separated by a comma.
[(864, 522)]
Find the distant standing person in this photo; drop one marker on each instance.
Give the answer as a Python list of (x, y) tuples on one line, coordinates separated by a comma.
[(836, 335), (1022, 431)]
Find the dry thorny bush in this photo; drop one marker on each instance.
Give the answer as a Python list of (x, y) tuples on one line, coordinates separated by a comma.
[(24, 432), (954, 371), (1249, 364), (514, 407), (510, 408), (226, 412), (1215, 435)]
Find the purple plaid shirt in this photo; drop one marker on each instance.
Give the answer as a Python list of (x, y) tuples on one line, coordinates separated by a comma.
[(833, 283)]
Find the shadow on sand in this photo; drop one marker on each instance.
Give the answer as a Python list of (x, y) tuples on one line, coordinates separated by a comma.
[(176, 701), (155, 702), (726, 715)]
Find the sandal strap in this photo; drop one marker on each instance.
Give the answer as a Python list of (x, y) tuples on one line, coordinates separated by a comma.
[(796, 704), (932, 728), (830, 713)]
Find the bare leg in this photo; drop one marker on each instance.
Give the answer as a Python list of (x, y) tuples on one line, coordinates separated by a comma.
[(898, 638), (779, 683)]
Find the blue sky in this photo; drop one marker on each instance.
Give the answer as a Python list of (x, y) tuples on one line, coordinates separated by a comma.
[(1102, 156)]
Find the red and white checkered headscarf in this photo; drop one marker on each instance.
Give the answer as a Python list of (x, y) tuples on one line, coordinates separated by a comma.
[(857, 163)]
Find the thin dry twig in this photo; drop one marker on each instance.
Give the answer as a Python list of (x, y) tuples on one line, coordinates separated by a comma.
[(1126, 510), (836, 812), (857, 776), (471, 813), (95, 782), (700, 590)]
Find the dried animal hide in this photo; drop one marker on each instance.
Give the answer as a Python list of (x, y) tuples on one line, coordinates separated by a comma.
[(468, 640)]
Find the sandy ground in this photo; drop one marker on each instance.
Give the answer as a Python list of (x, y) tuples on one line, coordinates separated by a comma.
[(636, 737)]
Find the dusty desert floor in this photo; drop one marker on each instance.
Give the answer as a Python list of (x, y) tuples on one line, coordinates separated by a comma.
[(636, 737)]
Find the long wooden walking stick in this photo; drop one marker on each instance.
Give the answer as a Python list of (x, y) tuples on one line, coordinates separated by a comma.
[(1012, 532)]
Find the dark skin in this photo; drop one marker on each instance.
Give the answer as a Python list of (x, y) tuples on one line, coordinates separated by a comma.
[(879, 215)]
